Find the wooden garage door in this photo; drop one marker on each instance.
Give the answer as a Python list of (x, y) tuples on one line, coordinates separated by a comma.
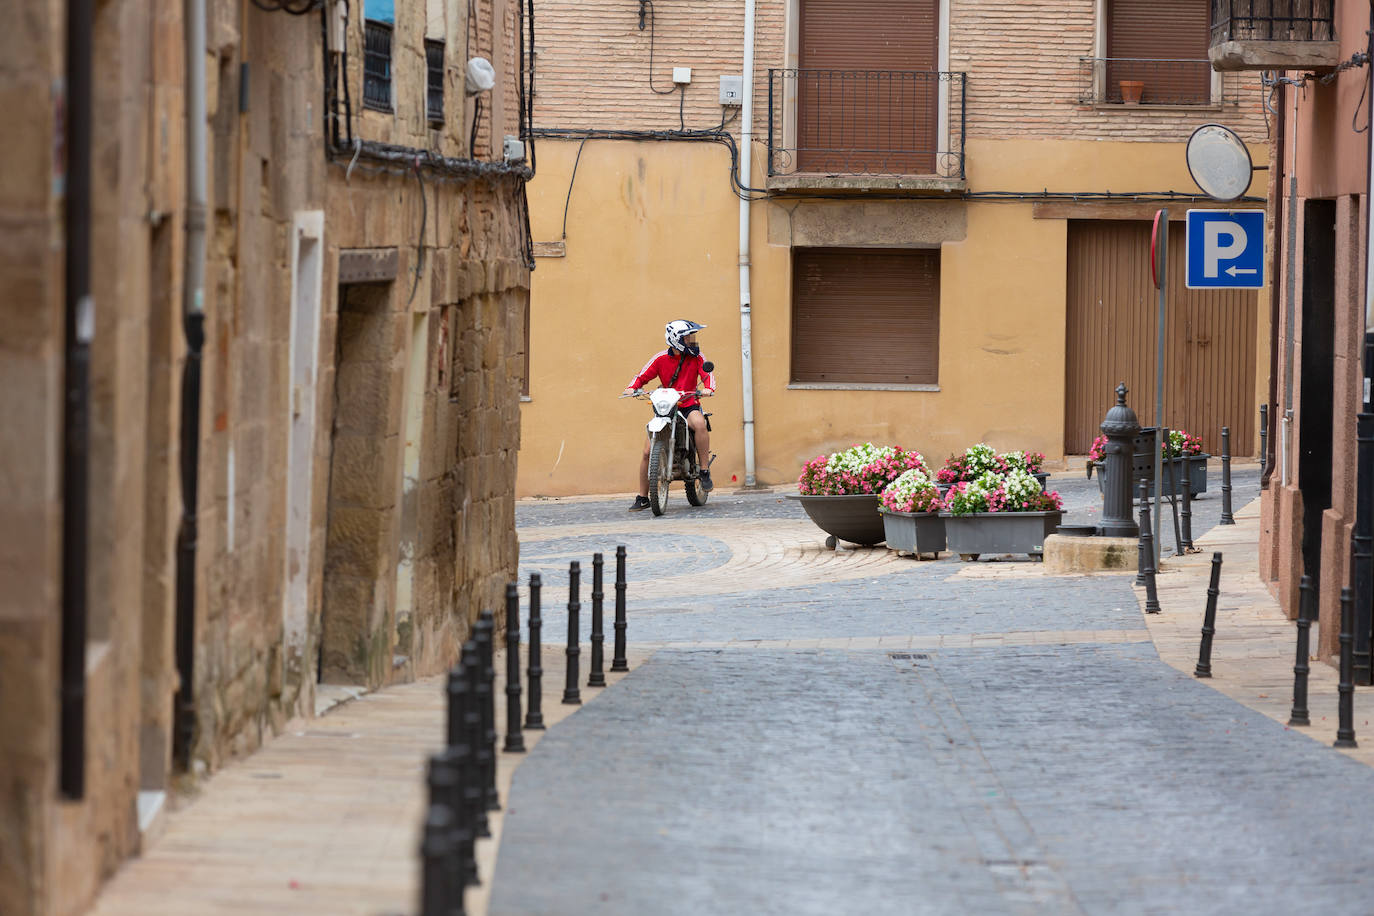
[(868, 87), (867, 316), (1209, 374)]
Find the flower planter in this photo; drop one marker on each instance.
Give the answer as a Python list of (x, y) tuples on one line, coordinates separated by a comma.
[(852, 518), (914, 532), (1196, 466), (1041, 477), (970, 536)]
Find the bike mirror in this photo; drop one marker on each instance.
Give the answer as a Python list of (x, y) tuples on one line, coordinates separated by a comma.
[(709, 366)]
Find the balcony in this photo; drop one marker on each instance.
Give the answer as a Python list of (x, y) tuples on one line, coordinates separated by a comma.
[(1273, 35), (866, 130), (1136, 82)]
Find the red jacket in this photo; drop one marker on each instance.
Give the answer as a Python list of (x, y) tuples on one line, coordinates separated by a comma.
[(664, 364)]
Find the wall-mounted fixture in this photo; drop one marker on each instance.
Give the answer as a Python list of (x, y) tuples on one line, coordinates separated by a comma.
[(682, 75), (481, 76)]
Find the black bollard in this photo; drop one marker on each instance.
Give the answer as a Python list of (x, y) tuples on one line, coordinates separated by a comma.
[(1306, 600), (1345, 732), (534, 714), (1140, 561), (446, 789), (515, 741), (618, 661), (1147, 545), (597, 677), (1226, 517), (441, 893), (1171, 475), (1264, 438), (571, 696), (485, 633), (1186, 483), (461, 752), (474, 728), (466, 757), (1209, 621)]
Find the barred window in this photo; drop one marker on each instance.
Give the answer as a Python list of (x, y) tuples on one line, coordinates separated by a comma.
[(377, 65), (434, 94)]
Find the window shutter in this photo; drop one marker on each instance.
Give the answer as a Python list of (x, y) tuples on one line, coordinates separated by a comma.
[(868, 316), (1141, 31)]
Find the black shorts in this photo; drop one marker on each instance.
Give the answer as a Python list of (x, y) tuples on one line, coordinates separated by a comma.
[(686, 411)]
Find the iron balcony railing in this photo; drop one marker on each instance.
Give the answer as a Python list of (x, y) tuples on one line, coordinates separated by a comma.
[(866, 122), (1272, 20), (1145, 81)]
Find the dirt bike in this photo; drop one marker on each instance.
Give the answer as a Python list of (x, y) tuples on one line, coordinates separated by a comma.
[(672, 449)]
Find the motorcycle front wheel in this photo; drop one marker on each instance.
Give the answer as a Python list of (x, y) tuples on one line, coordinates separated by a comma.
[(660, 474)]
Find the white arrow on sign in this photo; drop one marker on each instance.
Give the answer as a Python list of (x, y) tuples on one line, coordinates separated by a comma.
[(1233, 270)]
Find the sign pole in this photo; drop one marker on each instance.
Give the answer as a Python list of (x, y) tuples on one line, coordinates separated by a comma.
[(1161, 243)]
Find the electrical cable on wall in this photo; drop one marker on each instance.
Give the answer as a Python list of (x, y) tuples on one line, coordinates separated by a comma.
[(652, 19), (294, 7)]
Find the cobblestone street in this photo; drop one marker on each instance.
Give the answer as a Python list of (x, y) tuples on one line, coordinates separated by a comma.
[(826, 731), (813, 731)]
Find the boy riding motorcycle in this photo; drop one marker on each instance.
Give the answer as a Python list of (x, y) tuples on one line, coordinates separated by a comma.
[(681, 367)]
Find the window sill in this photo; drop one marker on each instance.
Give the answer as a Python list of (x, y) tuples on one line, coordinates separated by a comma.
[(859, 386), (1122, 107)]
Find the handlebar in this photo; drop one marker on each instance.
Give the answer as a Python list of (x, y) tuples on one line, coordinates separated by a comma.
[(643, 393)]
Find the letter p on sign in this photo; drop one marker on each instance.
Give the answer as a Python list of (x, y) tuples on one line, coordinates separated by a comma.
[(1225, 249)]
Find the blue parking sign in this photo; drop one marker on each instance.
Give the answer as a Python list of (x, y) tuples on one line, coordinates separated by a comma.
[(1225, 249)]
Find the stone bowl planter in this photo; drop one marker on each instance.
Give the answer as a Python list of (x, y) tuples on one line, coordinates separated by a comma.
[(852, 517), (971, 536), (915, 533)]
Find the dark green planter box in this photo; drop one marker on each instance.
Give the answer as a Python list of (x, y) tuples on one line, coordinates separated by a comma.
[(970, 536), (1196, 469), (914, 532), (852, 518)]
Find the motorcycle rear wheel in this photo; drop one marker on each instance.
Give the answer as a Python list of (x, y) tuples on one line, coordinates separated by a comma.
[(660, 474), (696, 493)]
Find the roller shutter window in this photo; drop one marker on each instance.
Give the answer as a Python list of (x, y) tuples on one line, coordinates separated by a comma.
[(868, 87), (865, 316), (1163, 44)]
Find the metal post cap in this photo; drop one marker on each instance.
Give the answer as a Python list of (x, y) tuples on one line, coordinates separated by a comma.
[(1120, 420)]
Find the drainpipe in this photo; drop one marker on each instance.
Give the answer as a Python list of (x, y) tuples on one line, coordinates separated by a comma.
[(1362, 539), (745, 319), (193, 320), (80, 329), (1286, 434), (1269, 439)]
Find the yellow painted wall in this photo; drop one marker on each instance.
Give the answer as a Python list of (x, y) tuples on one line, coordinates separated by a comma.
[(652, 235)]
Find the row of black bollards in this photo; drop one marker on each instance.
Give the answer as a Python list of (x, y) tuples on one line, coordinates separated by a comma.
[(462, 777)]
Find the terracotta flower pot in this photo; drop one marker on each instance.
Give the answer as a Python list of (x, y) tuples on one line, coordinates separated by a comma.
[(1131, 91)]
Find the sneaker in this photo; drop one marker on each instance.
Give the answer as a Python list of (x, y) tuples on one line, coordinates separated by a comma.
[(641, 502), (705, 477)]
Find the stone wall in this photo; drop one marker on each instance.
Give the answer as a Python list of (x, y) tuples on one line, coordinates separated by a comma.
[(450, 340)]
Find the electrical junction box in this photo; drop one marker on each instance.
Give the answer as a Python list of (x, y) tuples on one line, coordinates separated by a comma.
[(682, 75), (514, 149), (732, 90)]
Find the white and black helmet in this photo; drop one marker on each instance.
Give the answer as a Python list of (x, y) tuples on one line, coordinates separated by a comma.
[(676, 332)]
